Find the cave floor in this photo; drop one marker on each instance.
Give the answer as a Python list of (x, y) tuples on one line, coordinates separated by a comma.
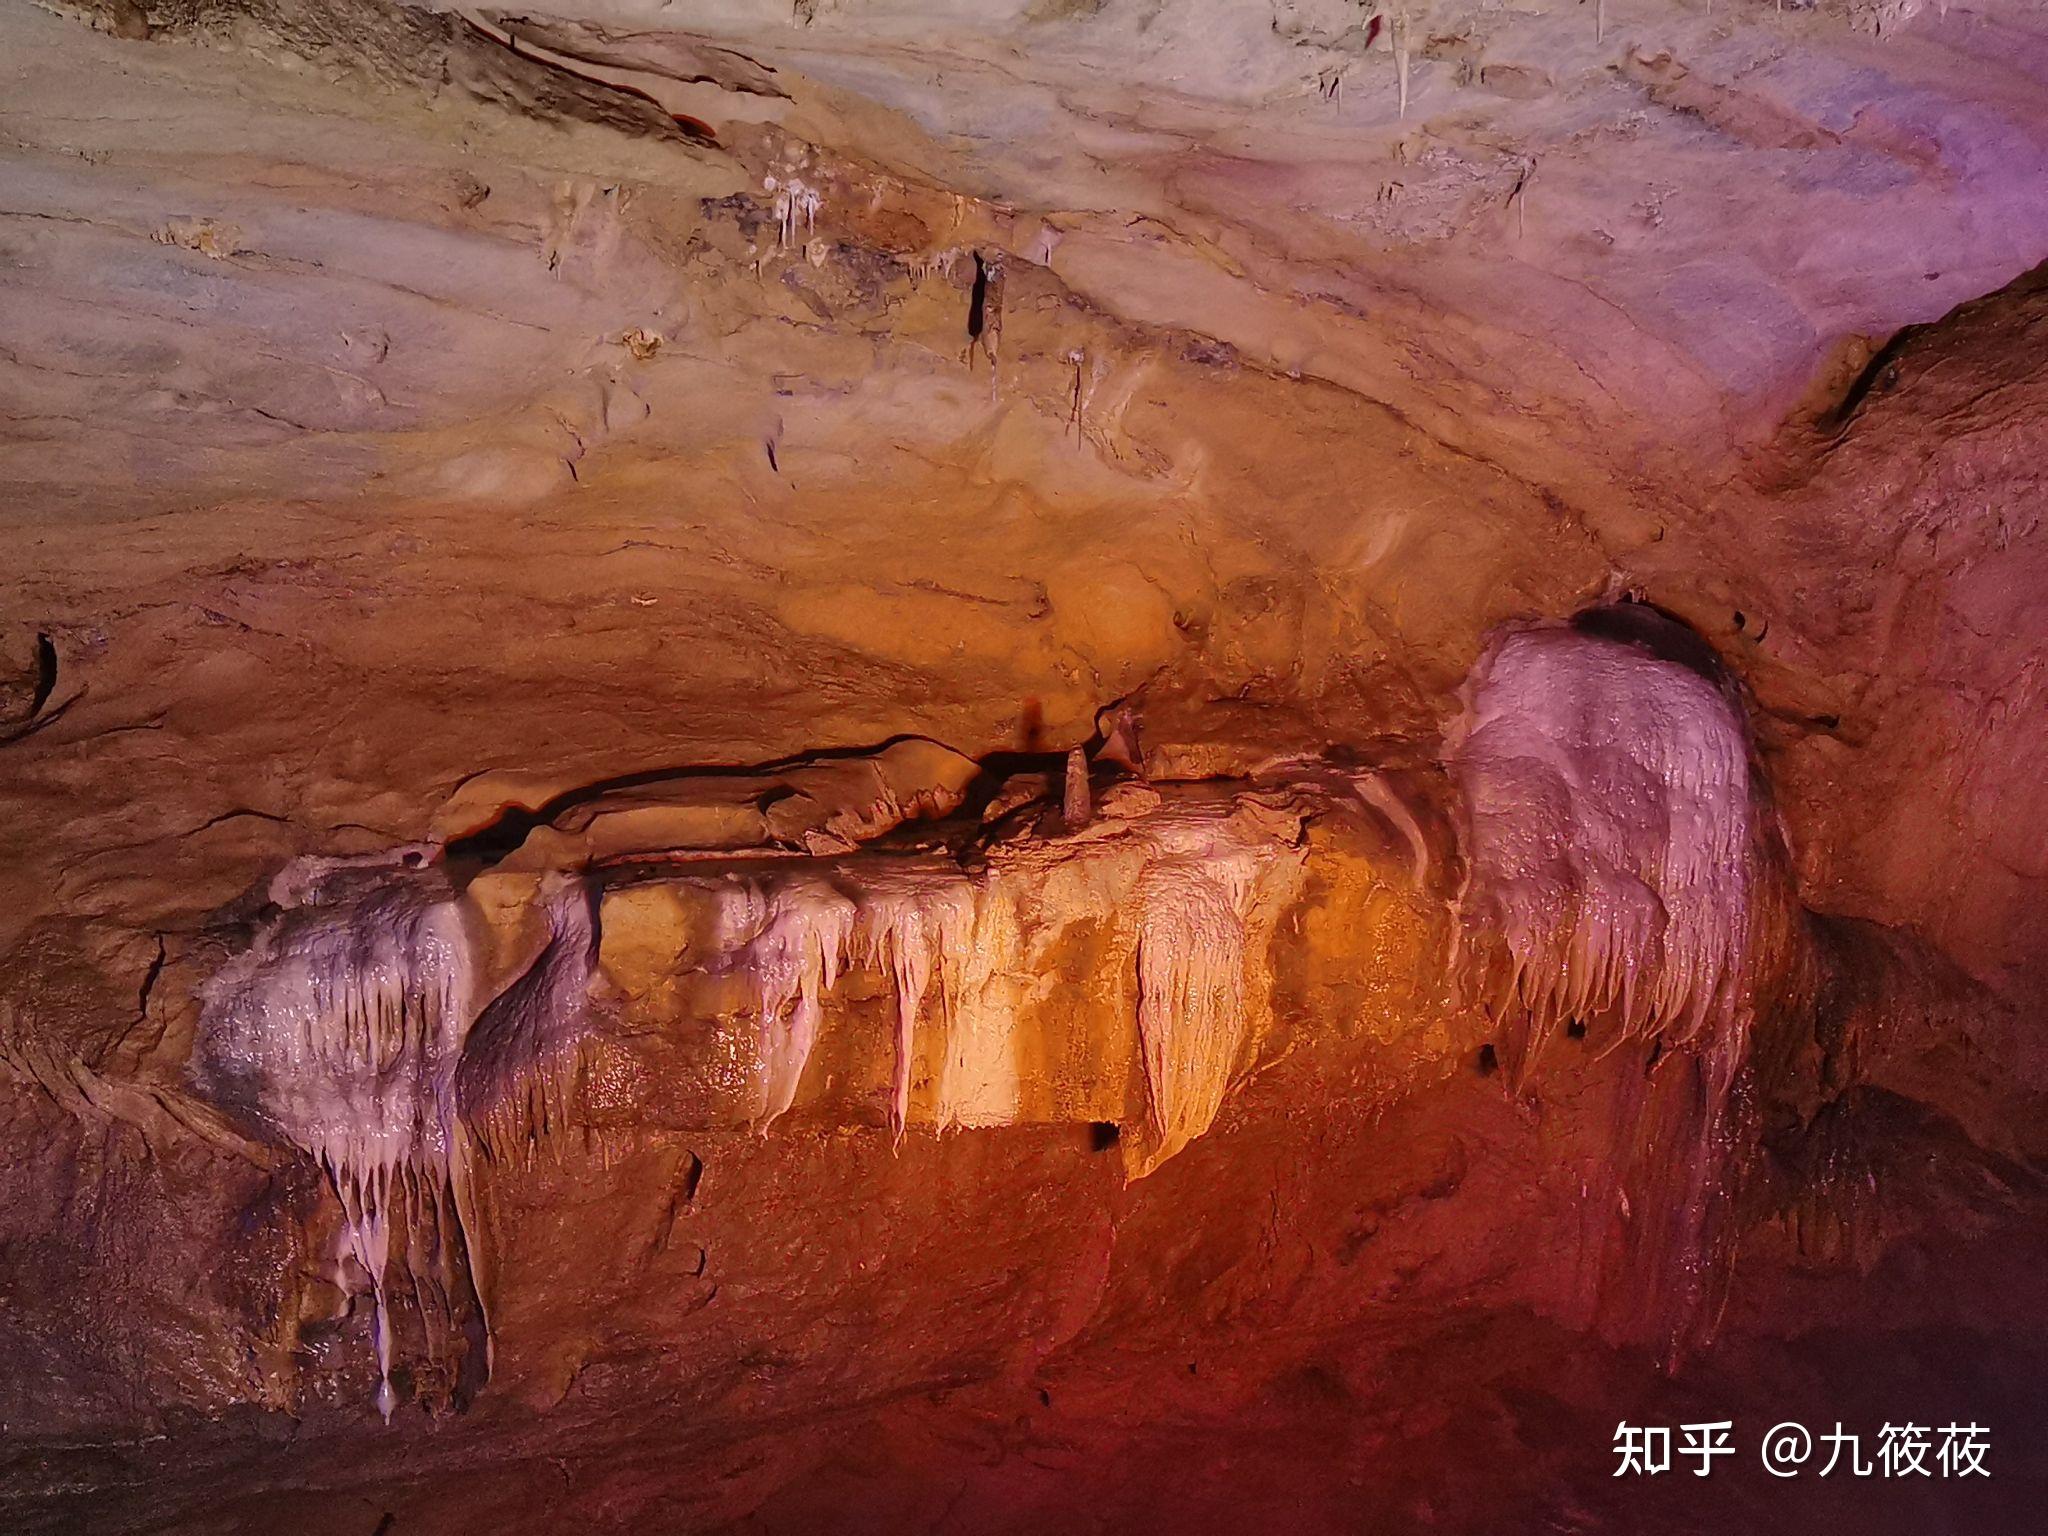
[(1437, 1418)]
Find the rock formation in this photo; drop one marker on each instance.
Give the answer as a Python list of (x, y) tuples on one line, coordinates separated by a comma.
[(1109, 764)]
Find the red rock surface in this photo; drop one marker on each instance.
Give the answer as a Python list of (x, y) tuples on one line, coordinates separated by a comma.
[(702, 478)]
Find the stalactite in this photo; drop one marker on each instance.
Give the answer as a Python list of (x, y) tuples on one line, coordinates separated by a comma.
[(795, 204), (1375, 790), (1191, 992), (343, 1024), (791, 941), (517, 1079), (1614, 846), (1624, 873), (1177, 892), (921, 929), (1401, 56)]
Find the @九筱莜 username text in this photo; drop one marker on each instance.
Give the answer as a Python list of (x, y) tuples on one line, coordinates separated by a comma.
[(1791, 1449)]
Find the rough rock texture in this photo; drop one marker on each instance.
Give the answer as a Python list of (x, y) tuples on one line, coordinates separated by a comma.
[(1140, 766)]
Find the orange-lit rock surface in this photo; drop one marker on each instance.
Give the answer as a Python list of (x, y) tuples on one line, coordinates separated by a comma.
[(1119, 766)]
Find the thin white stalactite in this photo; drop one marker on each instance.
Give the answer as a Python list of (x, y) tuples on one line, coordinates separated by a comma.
[(791, 941)]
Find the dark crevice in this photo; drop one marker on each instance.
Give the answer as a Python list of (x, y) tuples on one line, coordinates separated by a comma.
[(997, 768), (977, 301), (149, 980), (1661, 633), (488, 844), (46, 674), (593, 45), (2011, 307), (466, 856), (238, 814), (693, 129), (1880, 373)]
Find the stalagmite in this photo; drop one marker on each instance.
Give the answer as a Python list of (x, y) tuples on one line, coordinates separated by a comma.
[(1074, 803)]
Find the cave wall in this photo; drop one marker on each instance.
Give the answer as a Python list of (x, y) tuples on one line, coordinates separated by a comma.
[(417, 422)]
